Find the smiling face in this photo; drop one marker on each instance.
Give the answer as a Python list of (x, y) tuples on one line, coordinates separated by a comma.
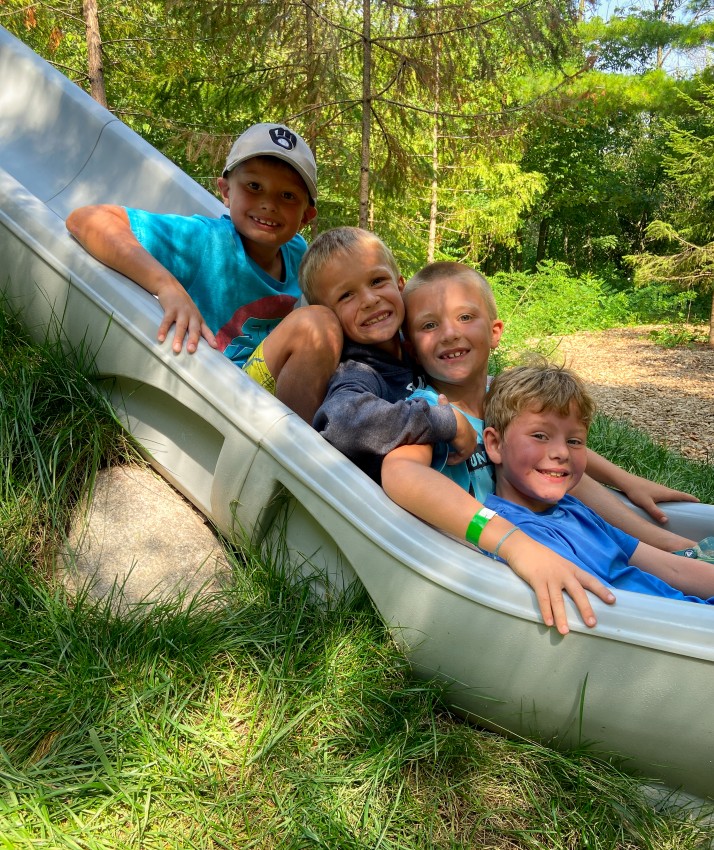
[(268, 203), (362, 288), (451, 331), (540, 456)]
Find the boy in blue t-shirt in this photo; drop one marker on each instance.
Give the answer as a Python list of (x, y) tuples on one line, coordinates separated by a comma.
[(233, 280), (537, 419)]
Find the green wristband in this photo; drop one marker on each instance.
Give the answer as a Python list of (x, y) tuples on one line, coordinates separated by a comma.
[(477, 524)]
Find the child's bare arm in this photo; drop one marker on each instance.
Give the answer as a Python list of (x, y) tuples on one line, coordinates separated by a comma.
[(104, 231), (409, 480), (689, 575), (640, 491)]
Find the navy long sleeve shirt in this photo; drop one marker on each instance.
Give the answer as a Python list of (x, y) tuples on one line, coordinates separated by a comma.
[(366, 413)]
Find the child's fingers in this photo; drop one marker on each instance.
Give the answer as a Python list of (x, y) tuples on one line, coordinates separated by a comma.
[(558, 612), (577, 593), (679, 496), (656, 512), (179, 335), (164, 328), (195, 331), (544, 603), (589, 582), (576, 586), (208, 335), (552, 603)]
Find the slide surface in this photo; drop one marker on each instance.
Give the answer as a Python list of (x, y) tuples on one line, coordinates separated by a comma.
[(644, 676)]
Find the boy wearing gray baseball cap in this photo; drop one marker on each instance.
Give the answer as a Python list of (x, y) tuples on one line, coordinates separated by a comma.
[(233, 280)]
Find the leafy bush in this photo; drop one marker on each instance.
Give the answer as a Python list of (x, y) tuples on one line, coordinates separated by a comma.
[(552, 302), (674, 335), (658, 302)]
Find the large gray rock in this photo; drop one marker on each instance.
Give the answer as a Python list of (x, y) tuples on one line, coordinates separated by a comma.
[(140, 541)]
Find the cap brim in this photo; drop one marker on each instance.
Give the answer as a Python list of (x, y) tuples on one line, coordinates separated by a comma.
[(309, 185)]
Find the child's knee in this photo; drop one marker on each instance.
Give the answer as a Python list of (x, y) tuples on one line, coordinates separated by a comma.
[(321, 327)]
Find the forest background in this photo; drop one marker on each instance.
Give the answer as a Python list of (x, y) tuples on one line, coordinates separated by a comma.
[(557, 146)]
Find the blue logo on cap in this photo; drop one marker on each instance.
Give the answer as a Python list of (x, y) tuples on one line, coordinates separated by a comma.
[(283, 138)]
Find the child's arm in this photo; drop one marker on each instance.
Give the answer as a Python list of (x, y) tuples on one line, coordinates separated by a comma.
[(607, 505), (689, 575), (359, 421), (409, 480), (640, 491), (104, 231)]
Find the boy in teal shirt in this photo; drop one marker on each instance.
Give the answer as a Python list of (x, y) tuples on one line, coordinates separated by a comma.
[(233, 280)]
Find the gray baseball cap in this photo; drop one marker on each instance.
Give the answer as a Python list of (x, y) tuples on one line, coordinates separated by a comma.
[(279, 141)]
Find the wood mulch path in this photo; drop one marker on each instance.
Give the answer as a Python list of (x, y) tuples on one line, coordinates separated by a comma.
[(666, 392)]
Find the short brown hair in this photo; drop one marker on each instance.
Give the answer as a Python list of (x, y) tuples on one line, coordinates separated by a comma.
[(538, 386), (453, 271), (337, 240)]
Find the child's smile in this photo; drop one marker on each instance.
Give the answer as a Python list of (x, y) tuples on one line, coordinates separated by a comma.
[(365, 293), (376, 319), (268, 203), (269, 223), (453, 355), (451, 331), (542, 456)]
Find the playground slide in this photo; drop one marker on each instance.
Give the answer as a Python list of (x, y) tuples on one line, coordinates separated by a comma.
[(640, 684)]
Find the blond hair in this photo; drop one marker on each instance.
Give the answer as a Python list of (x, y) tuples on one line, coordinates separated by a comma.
[(445, 270), (345, 240), (539, 386)]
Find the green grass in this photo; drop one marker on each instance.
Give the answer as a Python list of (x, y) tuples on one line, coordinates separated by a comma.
[(636, 452), (261, 720)]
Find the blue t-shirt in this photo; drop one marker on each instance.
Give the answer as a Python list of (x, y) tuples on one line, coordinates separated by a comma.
[(475, 475), (577, 533), (239, 301)]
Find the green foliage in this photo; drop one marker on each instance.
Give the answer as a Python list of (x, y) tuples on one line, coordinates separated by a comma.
[(641, 35), (659, 302), (690, 164), (56, 431), (683, 248), (551, 302), (673, 336), (686, 264), (545, 156), (191, 76)]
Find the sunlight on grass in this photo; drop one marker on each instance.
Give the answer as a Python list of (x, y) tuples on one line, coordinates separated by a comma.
[(259, 718)]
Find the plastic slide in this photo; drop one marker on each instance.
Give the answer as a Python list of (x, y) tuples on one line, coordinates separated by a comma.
[(640, 684)]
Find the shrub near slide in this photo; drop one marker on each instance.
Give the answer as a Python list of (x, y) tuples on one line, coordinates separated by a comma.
[(260, 721)]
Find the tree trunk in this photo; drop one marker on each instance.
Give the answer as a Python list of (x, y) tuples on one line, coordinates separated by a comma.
[(366, 113), (95, 63), (663, 17), (310, 49), (711, 322), (434, 205), (542, 239)]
